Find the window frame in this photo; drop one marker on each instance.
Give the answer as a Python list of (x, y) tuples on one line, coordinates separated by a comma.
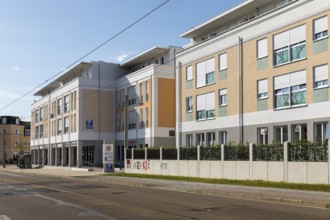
[(189, 105), (223, 99)]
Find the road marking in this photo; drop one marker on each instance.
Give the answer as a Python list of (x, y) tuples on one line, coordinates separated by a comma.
[(4, 217)]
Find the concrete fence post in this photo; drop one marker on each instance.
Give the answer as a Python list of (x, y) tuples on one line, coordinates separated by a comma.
[(133, 153), (222, 161), (161, 153), (286, 161), (145, 153), (178, 161), (198, 161), (251, 158)]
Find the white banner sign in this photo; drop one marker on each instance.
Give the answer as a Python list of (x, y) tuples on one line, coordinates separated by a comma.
[(108, 153)]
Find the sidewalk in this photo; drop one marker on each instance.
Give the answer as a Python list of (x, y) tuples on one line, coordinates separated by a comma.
[(294, 197)]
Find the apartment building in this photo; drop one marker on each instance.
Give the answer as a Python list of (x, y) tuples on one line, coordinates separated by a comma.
[(257, 73), (75, 116), (146, 98), (14, 138)]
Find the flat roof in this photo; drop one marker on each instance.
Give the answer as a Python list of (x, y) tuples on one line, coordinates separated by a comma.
[(230, 15), (68, 75), (145, 56)]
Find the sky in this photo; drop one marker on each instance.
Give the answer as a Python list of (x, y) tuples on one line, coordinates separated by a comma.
[(40, 38)]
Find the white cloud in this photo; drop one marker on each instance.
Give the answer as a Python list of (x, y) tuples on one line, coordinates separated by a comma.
[(123, 56)]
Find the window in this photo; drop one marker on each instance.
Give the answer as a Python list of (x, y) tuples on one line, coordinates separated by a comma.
[(262, 135), (146, 87), (200, 139), (321, 28), (146, 117), (299, 133), (66, 103), (141, 92), (189, 140), (262, 48), (205, 72), (321, 132), (281, 134), (290, 45), (189, 73), (131, 95), (205, 106), (41, 114), (262, 89), (17, 132), (223, 97), (37, 132), (59, 126), (141, 119), (210, 139), (118, 122), (66, 125), (189, 104), (59, 106), (131, 120), (321, 76), (290, 89), (222, 61), (37, 115), (41, 130), (223, 137)]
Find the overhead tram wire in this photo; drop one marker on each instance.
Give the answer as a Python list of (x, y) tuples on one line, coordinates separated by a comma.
[(87, 54)]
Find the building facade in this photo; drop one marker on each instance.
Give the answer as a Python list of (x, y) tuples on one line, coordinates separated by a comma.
[(14, 138), (75, 116), (146, 100), (132, 105), (256, 73)]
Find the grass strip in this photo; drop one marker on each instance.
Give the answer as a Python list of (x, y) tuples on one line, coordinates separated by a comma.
[(255, 183)]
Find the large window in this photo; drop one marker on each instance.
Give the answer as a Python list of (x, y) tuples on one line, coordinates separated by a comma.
[(262, 89), (146, 87), (141, 92), (223, 137), (189, 73), (189, 140), (223, 97), (131, 120), (210, 139), (36, 117), (290, 45), (262, 48), (189, 104), (320, 28), (66, 125), (281, 134), (59, 126), (146, 117), (200, 139), (141, 118), (290, 89), (41, 114), (205, 106), (205, 72), (321, 132), (299, 133), (321, 76), (59, 106), (66, 103), (222, 61), (131, 95)]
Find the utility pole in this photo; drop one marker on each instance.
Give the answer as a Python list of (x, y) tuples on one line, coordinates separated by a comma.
[(3, 149)]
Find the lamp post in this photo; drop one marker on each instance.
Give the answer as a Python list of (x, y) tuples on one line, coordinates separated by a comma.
[(3, 149)]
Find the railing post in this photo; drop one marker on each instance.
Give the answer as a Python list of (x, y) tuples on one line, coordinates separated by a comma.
[(285, 160), (222, 161), (133, 153), (161, 153), (145, 153), (251, 158), (178, 161), (198, 161)]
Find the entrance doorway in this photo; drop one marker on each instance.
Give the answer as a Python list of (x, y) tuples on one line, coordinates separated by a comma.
[(88, 156)]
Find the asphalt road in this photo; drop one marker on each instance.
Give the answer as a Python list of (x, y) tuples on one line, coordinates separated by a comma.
[(24, 196)]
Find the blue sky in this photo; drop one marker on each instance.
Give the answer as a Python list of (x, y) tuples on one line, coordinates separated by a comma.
[(39, 38)]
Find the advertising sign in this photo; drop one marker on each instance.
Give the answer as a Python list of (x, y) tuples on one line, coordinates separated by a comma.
[(108, 154)]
